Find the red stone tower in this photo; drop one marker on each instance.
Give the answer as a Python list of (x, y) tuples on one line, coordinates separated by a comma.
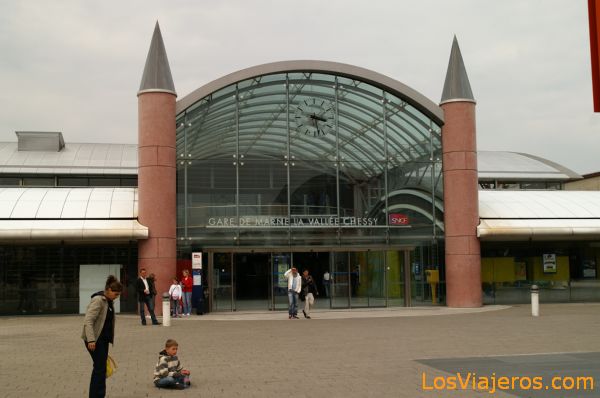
[(156, 162), (461, 202)]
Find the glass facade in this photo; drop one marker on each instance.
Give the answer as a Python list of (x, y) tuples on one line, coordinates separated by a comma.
[(310, 169), (564, 271), (45, 279), (307, 159)]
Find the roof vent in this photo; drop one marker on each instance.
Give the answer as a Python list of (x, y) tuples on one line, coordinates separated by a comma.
[(40, 141)]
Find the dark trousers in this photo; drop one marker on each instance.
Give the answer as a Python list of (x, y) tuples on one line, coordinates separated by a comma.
[(98, 379), (146, 302)]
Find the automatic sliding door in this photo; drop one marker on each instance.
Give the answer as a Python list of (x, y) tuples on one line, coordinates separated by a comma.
[(395, 278), (280, 262), (340, 280), (222, 291), (251, 281)]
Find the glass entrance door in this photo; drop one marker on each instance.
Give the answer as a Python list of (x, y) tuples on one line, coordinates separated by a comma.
[(251, 281), (395, 278), (340, 280), (222, 278), (280, 262)]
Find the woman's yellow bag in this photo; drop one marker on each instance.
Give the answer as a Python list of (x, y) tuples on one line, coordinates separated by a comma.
[(111, 366)]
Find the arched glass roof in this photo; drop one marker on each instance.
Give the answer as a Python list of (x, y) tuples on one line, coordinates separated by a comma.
[(309, 110)]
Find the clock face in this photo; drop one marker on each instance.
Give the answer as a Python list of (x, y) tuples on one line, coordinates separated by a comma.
[(314, 117)]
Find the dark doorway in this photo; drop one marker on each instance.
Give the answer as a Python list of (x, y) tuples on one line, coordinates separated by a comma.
[(316, 263), (252, 280)]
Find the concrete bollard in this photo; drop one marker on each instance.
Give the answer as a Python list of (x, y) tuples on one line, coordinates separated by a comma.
[(535, 300), (166, 309)]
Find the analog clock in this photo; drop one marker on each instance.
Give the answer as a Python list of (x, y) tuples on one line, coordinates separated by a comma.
[(314, 117)]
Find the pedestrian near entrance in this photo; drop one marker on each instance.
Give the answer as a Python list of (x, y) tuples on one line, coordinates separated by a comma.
[(309, 288), (175, 293), (142, 288), (187, 284), (294, 282), (98, 331), (327, 282)]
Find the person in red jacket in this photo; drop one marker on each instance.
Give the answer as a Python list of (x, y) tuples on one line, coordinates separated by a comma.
[(186, 284)]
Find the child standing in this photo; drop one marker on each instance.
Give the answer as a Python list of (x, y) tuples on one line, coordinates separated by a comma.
[(175, 294), (168, 372)]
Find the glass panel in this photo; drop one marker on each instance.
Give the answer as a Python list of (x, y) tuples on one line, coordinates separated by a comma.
[(281, 262), (180, 189), (211, 194), (395, 278), (314, 236), (44, 279), (104, 182), (251, 276), (210, 126), (427, 277), (362, 203), (313, 189), (129, 182), (340, 280), (222, 279), (367, 279), (10, 181), (73, 182), (38, 181), (361, 129), (263, 118), (263, 190)]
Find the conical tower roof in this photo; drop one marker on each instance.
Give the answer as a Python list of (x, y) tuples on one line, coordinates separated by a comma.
[(157, 73), (456, 86)]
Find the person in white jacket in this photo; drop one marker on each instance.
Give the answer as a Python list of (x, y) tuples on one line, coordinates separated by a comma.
[(175, 293), (294, 286)]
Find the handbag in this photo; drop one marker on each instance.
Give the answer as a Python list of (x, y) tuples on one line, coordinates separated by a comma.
[(111, 366)]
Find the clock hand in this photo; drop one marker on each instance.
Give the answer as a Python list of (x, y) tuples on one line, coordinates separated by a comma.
[(319, 118)]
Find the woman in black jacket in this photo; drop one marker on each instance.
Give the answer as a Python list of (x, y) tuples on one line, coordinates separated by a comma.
[(99, 330)]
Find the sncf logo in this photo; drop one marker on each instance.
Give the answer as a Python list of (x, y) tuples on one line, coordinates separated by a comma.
[(398, 219)]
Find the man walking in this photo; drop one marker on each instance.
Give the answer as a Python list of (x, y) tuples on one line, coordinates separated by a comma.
[(144, 296), (294, 286), (309, 288)]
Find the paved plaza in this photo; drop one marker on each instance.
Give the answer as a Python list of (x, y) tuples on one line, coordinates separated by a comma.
[(376, 353)]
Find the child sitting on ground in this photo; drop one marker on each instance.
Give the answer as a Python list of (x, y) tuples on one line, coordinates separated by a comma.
[(169, 373)]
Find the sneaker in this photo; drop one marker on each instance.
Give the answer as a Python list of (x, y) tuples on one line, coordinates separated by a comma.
[(295, 317), (290, 317), (179, 386), (156, 323), (143, 322)]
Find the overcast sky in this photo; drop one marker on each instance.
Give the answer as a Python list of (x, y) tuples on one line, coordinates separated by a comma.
[(76, 66)]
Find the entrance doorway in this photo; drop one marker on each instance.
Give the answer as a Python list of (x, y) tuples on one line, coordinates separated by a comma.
[(251, 281), (357, 279)]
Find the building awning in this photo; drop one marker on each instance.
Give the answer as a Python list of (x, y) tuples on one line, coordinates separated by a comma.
[(72, 230), (539, 215), (70, 214), (541, 230)]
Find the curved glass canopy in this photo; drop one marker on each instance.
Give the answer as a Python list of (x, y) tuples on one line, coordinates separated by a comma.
[(299, 144)]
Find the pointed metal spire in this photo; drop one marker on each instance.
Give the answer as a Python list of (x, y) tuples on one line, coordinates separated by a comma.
[(456, 86), (157, 73)]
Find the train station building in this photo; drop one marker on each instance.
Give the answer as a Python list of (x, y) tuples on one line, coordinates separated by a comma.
[(313, 164)]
